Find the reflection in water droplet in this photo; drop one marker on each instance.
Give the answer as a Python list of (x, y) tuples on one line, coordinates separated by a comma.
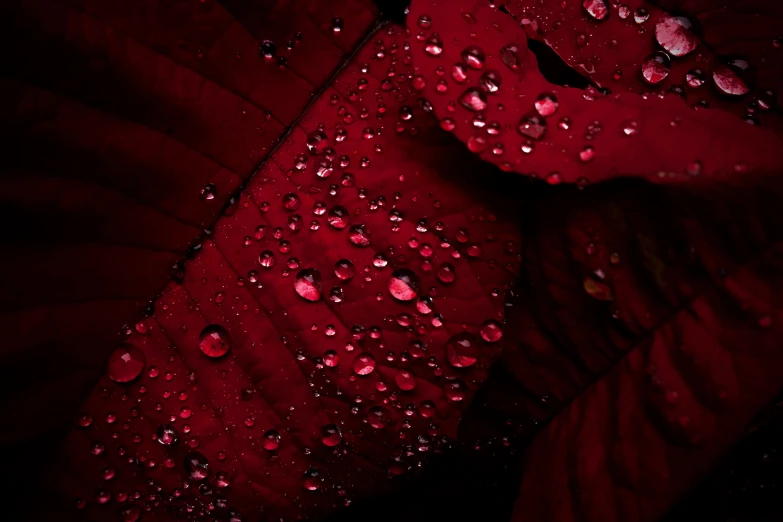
[(490, 81), (308, 284), (359, 236), (462, 350), (405, 380), (512, 55), (597, 9), (270, 441), (267, 259), (196, 466), (364, 364), (456, 390), (491, 331), (655, 68), (474, 99), (331, 435), (694, 78), (474, 57), (726, 77), (546, 104), (317, 142), (434, 45), (167, 434), (125, 363), (338, 217), (344, 269), (404, 284), (532, 125), (674, 34), (214, 341)]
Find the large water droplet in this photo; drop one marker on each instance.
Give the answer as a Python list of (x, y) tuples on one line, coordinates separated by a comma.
[(474, 57), (331, 435), (434, 45), (126, 363), (546, 104), (597, 9), (267, 259), (214, 341), (317, 142), (404, 284), (378, 417), (196, 466), (532, 125), (726, 77), (359, 236), (405, 379), (462, 350), (364, 364), (338, 217), (308, 284), (167, 434), (675, 35), (474, 99), (344, 269), (512, 55), (270, 441), (491, 331), (490, 81)]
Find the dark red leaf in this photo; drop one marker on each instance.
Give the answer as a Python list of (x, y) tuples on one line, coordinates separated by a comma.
[(646, 335), (485, 86), (233, 383)]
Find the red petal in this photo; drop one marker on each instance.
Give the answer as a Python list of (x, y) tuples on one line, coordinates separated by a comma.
[(584, 136)]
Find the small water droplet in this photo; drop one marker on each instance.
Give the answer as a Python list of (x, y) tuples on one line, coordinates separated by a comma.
[(491, 331), (655, 68), (490, 81), (474, 57), (512, 55), (359, 236), (196, 466), (331, 435), (317, 142), (434, 45), (270, 441), (532, 126), (546, 104)]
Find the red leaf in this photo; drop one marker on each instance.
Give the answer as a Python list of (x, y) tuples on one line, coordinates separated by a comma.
[(230, 362), (485, 85), (647, 382)]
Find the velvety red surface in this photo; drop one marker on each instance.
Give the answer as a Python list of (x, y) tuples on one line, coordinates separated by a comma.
[(619, 335)]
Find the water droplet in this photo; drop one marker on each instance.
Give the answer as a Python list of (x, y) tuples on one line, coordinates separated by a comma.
[(359, 236), (425, 22), (459, 73), (267, 259), (196, 466), (462, 350), (726, 77), (125, 363), (456, 390), (378, 417), (597, 9), (167, 434), (674, 34), (474, 57), (364, 364), (338, 217), (405, 380), (404, 284), (490, 81), (291, 202), (474, 99), (344, 269), (434, 45), (208, 192), (630, 128), (331, 435), (308, 284), (446, 273), (695, 78), (270, 441), (532, 125), (491, 331), (317, 142), (512, 55), (655, 68), (546, 104), (337, 24), (267, 49), (587, 154), (640, 15), (214, 341)]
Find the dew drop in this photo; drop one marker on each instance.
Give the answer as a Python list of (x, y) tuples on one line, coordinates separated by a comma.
[(404, 285), (338, 217), (456, 390), (317, 142), (491, 331), (308, 284), (532, 126), (270, 441), (214, 341), (597, 9), (125, 363), (331, 435), (655, 68), (196, 466), (546, 104), (434, 45), (675, 35), (512, 55), (446, 273), (344, 269), (694, 78), (474, 57), (378, 417), (267, 259), (490, 81), (359, 236), (405, 380), (462, 350), (474, 99), (167, 435)]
